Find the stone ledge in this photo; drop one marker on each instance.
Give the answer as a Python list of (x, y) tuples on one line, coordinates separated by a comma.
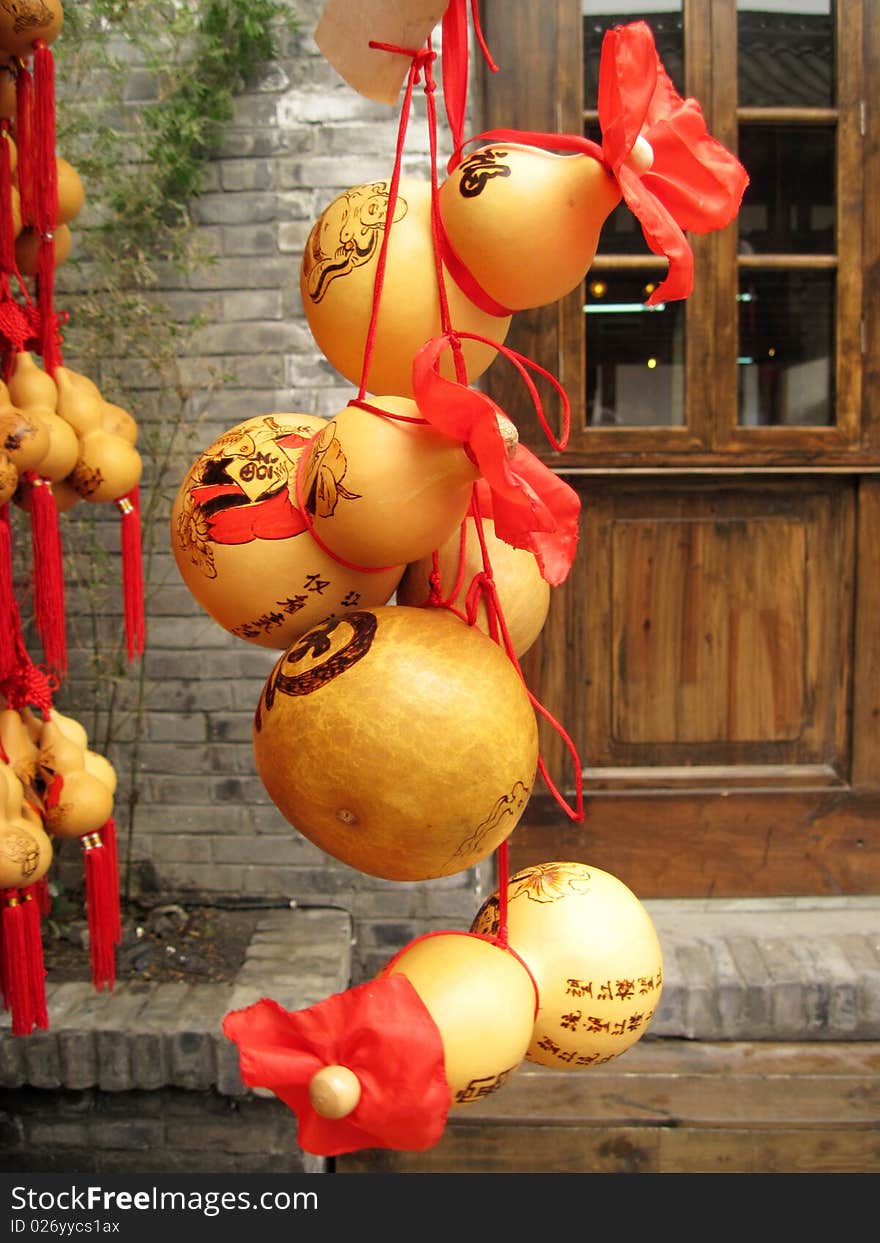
[(769, 969), (749, 970), (150, 1036)]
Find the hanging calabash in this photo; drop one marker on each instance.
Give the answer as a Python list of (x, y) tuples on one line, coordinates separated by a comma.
[(401, 741), (71, 192), (337, 279), (117, 420), (25, 854), (242, 544), (29, 384), (526, 222), (77, 801), (27, 248), (24, 439), (25, 849), (523, 594), (63, 448), (8, 477), (385, 490), (483, 1001), (107, 467), (595, 956), (24, 23), (18, 745)]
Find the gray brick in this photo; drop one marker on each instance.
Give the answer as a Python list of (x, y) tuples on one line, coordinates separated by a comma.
[(112, 1041)]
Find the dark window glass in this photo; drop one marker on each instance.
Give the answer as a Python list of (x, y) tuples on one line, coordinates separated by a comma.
[(788, 206), (635, 354), (785, 368), (785, 58)]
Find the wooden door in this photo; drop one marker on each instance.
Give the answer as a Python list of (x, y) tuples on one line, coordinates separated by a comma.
[(714, 654)]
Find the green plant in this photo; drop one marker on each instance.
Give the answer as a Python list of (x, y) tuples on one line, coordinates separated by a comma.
[(142, 165)]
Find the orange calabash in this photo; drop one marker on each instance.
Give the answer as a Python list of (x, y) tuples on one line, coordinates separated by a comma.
[(242, 544), (595, 957), (482, 1000), (526, 222), (384, 491), (523, 594), (337, 279), (24, 23), (401, 741), (27, 249)]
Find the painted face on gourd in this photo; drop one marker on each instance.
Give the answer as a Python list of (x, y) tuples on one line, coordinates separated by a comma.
[(242, 543), (338, 282)]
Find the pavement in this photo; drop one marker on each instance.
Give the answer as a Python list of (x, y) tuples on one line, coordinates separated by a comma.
[(792, 969)]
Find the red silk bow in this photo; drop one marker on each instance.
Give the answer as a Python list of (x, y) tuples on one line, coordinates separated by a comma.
[(383, 1032), (694, 182), (532, 507)]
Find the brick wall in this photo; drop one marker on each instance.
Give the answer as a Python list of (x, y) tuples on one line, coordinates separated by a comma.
[(203, 821)]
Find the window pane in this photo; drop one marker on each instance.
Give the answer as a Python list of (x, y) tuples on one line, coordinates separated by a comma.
[(635, 354), (788, 206), (785, 54), (786, 349), (664, 18)]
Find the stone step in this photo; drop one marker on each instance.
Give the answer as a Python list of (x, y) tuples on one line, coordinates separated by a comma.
[(793, 970)]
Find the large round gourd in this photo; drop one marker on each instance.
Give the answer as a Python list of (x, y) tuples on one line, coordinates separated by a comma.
[(401, 741), (595, 956), (338, 276), (242, 544)]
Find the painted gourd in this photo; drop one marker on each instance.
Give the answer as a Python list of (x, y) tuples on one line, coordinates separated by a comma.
[(337, 278), (482, 1000), (526, 222), (242, 544), (401, 741), (385, 491), (595, 956)]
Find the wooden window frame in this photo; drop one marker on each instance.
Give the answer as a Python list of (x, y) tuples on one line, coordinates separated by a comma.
[(711, 437)]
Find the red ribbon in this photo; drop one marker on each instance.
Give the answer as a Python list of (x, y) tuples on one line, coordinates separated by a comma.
[(532, 507)]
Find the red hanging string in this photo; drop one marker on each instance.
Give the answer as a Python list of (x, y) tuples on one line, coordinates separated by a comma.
[(455, 62), (45, 199), (418, 60)]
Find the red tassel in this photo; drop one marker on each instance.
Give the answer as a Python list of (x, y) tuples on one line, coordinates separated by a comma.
[(102, 910), (43, 896), (17, 994), (48, 574), (132, 573), (8, 652), (24, 122), (108, 835), (34, 951)]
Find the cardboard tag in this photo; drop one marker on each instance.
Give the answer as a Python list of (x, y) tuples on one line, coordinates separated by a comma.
[(344, 32)]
